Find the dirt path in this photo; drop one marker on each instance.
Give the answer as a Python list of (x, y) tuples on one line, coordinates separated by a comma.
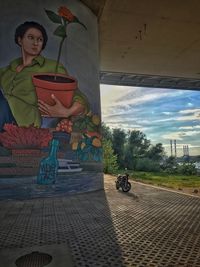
[(110, 179)]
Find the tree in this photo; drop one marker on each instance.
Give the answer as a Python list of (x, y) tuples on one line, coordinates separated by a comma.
[(106, 132), (137, 147), (138, 142), (156, 152), (119, 139), (109, 159)]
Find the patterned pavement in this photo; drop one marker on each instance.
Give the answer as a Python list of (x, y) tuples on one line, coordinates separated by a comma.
[(145, 227)]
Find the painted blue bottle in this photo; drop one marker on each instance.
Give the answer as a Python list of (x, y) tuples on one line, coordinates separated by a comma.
[(49, 165)]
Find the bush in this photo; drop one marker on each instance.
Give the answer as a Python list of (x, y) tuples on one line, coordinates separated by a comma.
[(109, 159), (148, 165), (187, 169)]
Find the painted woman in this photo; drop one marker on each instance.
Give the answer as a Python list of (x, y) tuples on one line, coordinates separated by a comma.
[(18, 100)]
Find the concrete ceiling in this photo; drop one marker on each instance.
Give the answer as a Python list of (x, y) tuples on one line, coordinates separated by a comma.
[(156, 41)]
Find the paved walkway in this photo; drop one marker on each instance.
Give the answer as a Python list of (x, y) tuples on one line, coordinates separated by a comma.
[(145, 227)]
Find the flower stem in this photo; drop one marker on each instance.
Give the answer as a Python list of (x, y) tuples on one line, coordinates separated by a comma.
[(59, 54)]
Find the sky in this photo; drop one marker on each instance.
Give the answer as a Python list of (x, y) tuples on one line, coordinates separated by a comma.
[(161, 114)]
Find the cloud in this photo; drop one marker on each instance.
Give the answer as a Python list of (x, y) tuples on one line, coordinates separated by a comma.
[(190, 111), (189, 127), (126, 127), (122, 96), (167, 113), (190, 115), (121, 101), (180, 135)]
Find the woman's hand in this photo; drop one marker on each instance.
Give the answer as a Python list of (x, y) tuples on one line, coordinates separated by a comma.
[(58, 110)]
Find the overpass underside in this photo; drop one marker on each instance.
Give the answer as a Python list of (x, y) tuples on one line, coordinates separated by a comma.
[(142, 80)]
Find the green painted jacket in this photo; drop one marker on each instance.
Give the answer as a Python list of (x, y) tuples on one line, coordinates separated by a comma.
[(19, 90)]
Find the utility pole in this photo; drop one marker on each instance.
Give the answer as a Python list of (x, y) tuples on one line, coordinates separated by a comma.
[(171, 148), (175, 153)]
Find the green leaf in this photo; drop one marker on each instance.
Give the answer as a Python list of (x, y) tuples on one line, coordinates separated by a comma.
[(92, 125), (76, 20), (82, 125), (87, 119), (91, 129), (53, 16), (60, 31)]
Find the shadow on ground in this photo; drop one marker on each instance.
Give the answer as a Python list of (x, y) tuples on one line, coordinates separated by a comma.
[(82, 224), (148, 227)]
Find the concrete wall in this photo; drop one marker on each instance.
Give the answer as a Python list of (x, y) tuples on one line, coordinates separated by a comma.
[(81, 59)]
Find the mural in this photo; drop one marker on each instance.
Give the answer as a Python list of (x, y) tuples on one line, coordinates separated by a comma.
[(42, 105)]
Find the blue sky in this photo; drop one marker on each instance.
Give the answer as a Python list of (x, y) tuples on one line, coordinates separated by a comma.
[(162, 114)]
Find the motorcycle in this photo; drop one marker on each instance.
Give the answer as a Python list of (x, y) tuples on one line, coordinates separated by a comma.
[(122, 181)]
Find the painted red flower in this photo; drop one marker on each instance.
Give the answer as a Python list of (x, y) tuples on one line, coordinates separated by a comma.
[(21, 136), (64, 12)]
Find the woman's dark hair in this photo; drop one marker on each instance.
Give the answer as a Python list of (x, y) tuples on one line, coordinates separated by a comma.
[(22, 28)]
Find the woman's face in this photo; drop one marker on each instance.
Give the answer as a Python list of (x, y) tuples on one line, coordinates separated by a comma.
[(32, 41)]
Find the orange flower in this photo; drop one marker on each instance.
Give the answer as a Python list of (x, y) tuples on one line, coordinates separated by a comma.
[(96, 142), (64, 12)]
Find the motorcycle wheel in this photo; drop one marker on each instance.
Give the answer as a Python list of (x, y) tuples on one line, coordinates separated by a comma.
[(127, 188), (117, 185)]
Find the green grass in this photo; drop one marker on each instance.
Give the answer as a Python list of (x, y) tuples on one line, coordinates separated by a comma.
[(167, 180)]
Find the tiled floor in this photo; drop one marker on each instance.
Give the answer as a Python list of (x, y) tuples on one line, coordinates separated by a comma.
[(145, 227)]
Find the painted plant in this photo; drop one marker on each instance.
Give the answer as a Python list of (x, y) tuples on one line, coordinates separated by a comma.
[(64, 18), (86, 128)]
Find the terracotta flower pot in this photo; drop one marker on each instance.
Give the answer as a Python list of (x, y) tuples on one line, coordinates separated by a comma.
[(62, 87)]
